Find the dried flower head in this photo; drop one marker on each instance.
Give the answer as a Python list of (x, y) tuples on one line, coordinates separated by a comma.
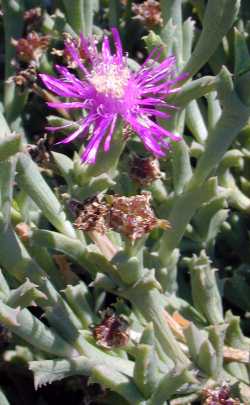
[(109, 91), (219, 396), (91, 215), (133, 216), (112, 331), (149, 13), (144, 170), (30, 49)]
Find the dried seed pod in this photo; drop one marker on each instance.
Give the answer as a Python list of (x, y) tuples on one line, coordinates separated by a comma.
[(144, 170), (133, 216), (149, 13), (112, 331), (91, 215)]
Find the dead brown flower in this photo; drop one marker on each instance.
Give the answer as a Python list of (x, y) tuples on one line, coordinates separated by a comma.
[(133, 216), (112, 331), (144, 170), (149, 13), (30, 49), (91, 215)]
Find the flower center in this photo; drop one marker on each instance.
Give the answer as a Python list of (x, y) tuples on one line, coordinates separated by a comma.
[(110, 79)]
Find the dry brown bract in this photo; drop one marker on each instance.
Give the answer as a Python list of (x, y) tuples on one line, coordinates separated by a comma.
[(133, 216), (91, 215), (149, 13)]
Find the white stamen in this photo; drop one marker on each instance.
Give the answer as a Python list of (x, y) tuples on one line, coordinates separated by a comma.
[(110, 80)]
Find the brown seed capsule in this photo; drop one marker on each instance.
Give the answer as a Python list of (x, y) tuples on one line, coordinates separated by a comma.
[(91, 215), (30, 49), (144, 170), (133, 216), (149, 13), (112, 331)]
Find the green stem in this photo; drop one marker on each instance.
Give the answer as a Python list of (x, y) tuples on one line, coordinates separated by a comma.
[(3, 398), (172, 10), (149, 304), (182, 211), (114, 8), (234, 116), (195, 89), (80, 15), (218, 19), (13, 26), (31, 181)]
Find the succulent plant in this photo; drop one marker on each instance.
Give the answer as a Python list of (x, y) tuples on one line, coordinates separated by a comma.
[(126, 262)]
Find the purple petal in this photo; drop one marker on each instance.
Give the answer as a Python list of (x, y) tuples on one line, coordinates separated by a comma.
[(106, 53), (156, 113), (160, 131), (146, 136), (75, 83), (154, 50), (54, 129), (75, 56), (118, 44), (73, 104), (84, 125), (56, 86), (72, 136), (107, 141), (89, 155)]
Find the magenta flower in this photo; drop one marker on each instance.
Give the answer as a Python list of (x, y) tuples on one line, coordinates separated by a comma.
[(110, 91)]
